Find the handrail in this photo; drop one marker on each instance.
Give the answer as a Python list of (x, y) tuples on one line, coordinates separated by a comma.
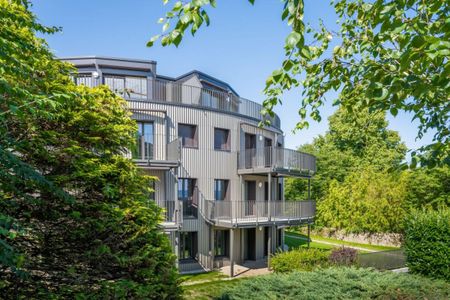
[(243, 212), (277, 158), (175, 92)]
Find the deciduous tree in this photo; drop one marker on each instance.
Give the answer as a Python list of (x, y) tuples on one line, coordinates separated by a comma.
[(388, 55)]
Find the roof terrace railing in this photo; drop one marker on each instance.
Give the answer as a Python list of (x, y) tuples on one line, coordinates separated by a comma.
[(167, 91)]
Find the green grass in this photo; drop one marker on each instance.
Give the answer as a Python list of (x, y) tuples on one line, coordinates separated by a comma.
[(208, 276), (301, 243), (317, 239), (209, 290)]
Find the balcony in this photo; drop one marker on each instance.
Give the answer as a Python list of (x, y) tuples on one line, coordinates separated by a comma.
[(276, 160), (182, 94), (172, 214), (147, 155), (231, 214)]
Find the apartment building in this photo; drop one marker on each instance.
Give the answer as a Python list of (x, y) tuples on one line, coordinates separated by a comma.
[(220, 175)]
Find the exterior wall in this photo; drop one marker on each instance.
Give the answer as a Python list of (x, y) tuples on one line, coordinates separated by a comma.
[(203, 163), (206, 164)]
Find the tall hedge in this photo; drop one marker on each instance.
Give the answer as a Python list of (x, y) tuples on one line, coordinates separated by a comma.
[(427, 243)]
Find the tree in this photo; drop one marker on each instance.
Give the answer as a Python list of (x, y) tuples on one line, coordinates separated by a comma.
[(429, 188), (353, 142), (388, 55), (75, 218), (367, 201)]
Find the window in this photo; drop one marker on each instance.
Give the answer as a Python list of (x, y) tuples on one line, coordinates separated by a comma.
[(144, 143), (188, 245), (221, 190), (222, 140), (187, 192), (221, 242), (188, 135), (127, 86)]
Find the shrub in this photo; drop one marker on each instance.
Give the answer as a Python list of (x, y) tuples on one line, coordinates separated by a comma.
[(343, 256), (427, 243), (299, 259), (339, 283)]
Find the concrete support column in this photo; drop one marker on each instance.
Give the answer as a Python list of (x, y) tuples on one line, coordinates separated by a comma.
[(232, 252), (309, 188), (269, 246), (269, 201)]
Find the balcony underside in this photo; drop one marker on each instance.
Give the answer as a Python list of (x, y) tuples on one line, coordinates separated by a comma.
[(252, 222), (156, 164), (169, 226), (276, 172)]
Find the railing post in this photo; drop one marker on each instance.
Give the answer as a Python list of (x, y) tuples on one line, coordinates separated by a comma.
[(269, 192)]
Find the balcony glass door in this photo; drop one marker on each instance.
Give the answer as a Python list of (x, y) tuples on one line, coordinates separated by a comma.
[(144, 141), (267, 152), (250, 150), (250, 198), (188, 245)]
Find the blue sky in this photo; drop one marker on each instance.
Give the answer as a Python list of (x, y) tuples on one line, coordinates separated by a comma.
[(242, 46)]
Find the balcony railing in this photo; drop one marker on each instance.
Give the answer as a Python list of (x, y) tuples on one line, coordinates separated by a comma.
[(242, 213), (172, 211), (145, 150), (167, 91), (278, 159)]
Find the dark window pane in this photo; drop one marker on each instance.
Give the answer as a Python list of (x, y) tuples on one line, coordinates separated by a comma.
[(144, 144), (221, 189), (187, 192), (221, 242), (188, 135), (221, 139)]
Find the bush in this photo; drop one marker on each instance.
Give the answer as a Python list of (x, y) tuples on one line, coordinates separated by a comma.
[(339, 283), (299, 259), (427, 243), (343, 256)]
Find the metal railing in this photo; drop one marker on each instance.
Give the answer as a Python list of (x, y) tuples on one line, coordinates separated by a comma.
[(243, 212), (146, 150), (174, 150), (167, 91), (277, 158), (172, 213)]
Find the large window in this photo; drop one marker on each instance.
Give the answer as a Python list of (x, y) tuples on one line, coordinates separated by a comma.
[(188, 245), (127, 86), (188, 135), (221, 190), (222, 139), (144, 145), (221, 242), (187, 192)]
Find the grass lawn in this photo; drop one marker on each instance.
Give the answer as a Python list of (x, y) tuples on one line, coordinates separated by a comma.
[(302, 243), (318, 239), (209, 290), (209, 276)]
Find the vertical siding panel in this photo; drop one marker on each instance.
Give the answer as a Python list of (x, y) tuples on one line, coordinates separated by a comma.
[(205, 164)]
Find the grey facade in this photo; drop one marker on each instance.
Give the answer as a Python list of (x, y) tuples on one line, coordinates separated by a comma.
[(220, 175)]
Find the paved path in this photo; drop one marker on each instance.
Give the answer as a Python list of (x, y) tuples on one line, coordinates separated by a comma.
[(330, 243)]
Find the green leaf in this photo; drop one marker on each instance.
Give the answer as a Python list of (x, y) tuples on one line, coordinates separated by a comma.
[(293, 39)]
